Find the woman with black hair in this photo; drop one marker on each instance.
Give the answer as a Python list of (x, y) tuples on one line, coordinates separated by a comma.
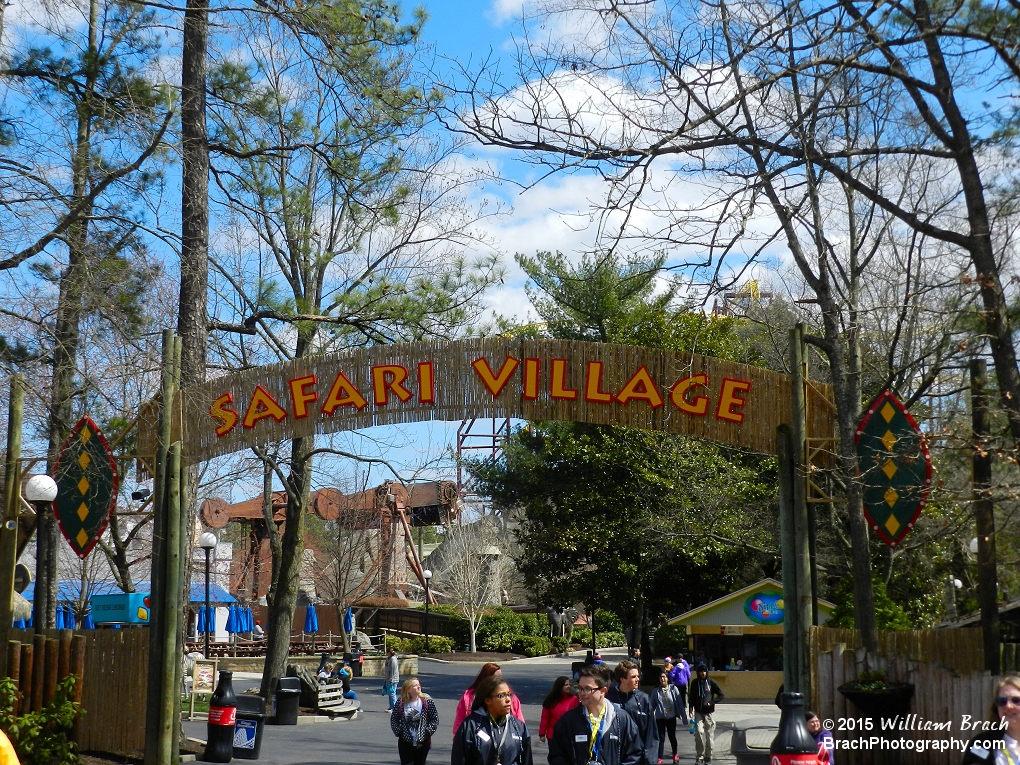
[(491, 735), (466, 703), (559, 699)]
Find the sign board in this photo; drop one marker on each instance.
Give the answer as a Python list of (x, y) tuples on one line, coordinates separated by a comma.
[(86, 477), (203, 675), (121, 608), (597, 383), (894, 468), (764, 607)]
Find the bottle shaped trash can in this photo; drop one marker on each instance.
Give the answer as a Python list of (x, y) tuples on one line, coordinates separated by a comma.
[(222, 714), (251, 718), (793, 744)]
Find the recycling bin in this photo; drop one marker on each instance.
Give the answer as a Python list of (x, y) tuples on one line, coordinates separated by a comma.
[(287, 701), (248, 725)]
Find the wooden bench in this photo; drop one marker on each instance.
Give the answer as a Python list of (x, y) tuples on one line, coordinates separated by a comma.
[(331, 701)]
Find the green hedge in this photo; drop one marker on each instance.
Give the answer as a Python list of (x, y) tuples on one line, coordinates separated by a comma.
[(530, 645), (498, 631), (559, 644), (458, 626), (582, 636), (437, 644)]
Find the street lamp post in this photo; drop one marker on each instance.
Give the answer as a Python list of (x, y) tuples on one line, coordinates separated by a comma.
[(427, 576), (207, 541), (39, 491)]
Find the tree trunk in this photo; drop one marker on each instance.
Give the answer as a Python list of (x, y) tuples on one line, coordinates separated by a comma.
[(192, 317), (281, 609)]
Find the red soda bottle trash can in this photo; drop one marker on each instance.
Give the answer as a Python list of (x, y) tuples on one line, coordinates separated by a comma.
[(222, 714), (793, 744)]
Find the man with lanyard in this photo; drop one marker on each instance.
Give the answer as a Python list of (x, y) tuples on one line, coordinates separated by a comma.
[(596, 732), (627, 694)]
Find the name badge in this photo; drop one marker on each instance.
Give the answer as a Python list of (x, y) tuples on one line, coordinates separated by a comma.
[(581, 738), (483, 735), (979, 751)]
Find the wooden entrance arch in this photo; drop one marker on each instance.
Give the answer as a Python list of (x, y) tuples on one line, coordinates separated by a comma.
[(605, 384)]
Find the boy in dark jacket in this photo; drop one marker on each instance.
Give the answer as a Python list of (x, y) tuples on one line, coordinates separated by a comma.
[(627, 694), (702, 694), (596, 731)]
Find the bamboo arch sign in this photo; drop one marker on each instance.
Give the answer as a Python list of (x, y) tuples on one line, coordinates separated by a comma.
[(596, 383)]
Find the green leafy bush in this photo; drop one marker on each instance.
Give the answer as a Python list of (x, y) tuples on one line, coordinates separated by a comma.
[(529, 624), (609, 639), (670, 640), (437, 644), (542, 622), (41, 738), (581, 636), (400, 645), (497, 631), (531, 645), (559, 644)]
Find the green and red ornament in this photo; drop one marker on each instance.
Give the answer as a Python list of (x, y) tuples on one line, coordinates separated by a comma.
[(894, 468), (86, 477)]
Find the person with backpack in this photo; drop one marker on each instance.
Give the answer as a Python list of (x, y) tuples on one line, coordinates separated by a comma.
[(680, 676), (628, 695)]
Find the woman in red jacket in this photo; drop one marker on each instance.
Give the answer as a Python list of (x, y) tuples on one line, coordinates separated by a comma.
[(559, 700)]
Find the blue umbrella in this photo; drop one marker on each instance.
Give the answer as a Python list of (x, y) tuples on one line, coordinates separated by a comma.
[(349, 621), (231, 625), (87, 623), (200, 627), (311, 620), (60, 618), (249, 620), (19, 624)]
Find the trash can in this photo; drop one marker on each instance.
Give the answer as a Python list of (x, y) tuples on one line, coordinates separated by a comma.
[(752, 738), (287, 701), (357, 661), (248, 725)]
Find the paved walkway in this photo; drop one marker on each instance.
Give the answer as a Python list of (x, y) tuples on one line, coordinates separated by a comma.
[(368, 740)]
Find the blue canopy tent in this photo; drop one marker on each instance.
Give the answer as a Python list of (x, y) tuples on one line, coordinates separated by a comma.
[(87, 623), (60, 618)]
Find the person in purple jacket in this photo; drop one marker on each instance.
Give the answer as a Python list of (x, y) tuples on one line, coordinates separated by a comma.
[(680, 676)]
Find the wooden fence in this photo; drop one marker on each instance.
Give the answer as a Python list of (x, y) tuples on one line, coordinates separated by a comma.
[(943, 695), (113, 665)]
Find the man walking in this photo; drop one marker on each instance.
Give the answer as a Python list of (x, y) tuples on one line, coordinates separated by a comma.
[(704, 692), (596, 731), (391, 679), (627, 694)]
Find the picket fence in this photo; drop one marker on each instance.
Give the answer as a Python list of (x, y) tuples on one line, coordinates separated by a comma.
[(112, 665), (942, 694)]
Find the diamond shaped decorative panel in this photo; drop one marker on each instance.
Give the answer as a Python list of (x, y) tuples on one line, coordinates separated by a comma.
[(86, 477)]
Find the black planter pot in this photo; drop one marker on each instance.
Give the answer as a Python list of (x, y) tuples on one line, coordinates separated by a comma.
[(887, 702)]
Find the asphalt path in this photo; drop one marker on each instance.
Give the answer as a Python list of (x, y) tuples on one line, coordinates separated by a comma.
[(368, 740)]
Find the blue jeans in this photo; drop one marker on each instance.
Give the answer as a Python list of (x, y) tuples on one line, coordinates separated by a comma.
[(391, 693)]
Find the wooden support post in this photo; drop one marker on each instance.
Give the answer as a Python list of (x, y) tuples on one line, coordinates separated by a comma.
[(27, 676), (78, 670), (984, 515), (39, 672), (9, 513), (791, 632), (64, 654), (802, 533), (183, 587), (52, 666), (158, 638)]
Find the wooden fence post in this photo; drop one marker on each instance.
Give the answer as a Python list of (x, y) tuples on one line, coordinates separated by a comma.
[(52, 668), (14, 668)]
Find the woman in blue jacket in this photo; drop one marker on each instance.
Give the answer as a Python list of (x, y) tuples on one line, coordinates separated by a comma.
[(668, 704), (491, 735)]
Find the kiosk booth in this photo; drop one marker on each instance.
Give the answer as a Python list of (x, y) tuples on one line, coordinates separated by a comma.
[(740, 638)]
